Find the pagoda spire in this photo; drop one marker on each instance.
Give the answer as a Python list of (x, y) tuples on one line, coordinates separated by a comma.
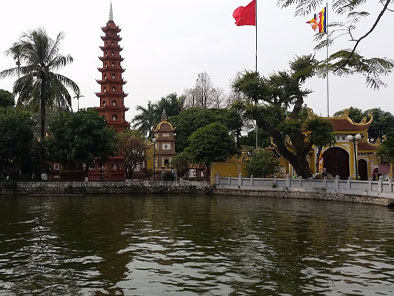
[(111, 13)]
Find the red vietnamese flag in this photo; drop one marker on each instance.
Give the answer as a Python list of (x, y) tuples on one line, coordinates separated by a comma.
[(245, 15)]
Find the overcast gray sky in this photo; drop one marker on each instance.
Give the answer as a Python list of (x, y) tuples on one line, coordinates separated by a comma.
[(168, 42)]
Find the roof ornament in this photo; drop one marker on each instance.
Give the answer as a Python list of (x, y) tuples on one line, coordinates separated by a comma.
[(111, 13), (164, 115)]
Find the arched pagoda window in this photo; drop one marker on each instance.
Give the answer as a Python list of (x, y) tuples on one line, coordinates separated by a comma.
[(113, 89), (113, 76), (105, 89), (114, 117), (104, 103), (113, 64), (113, 103)]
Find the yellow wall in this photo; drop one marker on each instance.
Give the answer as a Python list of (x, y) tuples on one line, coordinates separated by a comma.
[(226, 169), (149, 154)]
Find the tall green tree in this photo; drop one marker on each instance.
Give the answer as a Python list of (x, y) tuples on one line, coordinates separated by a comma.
[(277, 104), (350, 14), (190, 120), (385, 151), (211, 143), (6, 99), (16, 139), (80, 137), (132, 146), (38, 57)]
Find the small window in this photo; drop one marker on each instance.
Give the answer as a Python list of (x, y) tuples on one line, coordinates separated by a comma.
[(113, 76), (104, 103), (113, 103), (114, 117), (113, 64), (105, 89), (112, 53), (105, 76), (106, 65), (112, 43), (106, 43), (113, 89), (106, 53)]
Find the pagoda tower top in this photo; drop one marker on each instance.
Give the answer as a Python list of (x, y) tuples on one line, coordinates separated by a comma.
[(111, 13)]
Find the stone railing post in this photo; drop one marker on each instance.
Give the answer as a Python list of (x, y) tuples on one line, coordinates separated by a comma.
[(239, 180), (217, 179), (229, 179), (390, 185), (251, 181), (380, 184), (349, 183), (275, 182), (325, 182), (288, 184), (300, 181), (370, 184), (336, 182)]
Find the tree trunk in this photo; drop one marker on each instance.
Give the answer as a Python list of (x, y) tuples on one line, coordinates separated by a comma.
[(301, 166), (298, 161), (42, 127)]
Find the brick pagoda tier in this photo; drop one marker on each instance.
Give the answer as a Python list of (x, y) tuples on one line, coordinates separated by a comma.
[(111, 99)]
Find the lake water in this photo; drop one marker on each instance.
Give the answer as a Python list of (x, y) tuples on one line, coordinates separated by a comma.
[(193, 245)]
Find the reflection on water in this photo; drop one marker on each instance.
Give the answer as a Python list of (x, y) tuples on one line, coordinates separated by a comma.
[(191, 245)]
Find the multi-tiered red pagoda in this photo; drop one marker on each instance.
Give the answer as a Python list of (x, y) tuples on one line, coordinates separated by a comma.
[(111, 99)]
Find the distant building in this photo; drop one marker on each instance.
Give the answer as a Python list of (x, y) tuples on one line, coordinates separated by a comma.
[(352, 150), (162, 147)]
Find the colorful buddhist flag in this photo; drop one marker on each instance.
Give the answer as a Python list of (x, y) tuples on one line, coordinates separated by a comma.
[(319, 21), (245, 15)]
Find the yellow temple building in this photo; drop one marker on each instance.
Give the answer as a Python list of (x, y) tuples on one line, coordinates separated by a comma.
[(352, 154)]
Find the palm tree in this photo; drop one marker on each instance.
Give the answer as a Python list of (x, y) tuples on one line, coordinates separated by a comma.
[(147, 119), (37, 56)]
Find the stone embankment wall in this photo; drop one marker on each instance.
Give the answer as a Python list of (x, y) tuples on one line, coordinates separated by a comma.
[(127, 187), (371, 192)]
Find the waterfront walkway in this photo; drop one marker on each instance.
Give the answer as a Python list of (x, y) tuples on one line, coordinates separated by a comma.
[(374, 192)]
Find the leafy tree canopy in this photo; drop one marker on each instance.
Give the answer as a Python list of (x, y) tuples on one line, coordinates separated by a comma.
[(80, 137), (132, 146), (277, 104), (6, 99), (16, 138), (263, 163), (190, 120), (385, 151), (181, 162), (211, 143), (37, 57)]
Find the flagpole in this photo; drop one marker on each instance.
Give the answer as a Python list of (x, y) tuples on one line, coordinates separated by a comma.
[(328, 90), (257, 128)]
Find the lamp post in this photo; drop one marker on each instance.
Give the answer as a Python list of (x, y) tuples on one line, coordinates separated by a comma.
[(354, 139), (154, 159)]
